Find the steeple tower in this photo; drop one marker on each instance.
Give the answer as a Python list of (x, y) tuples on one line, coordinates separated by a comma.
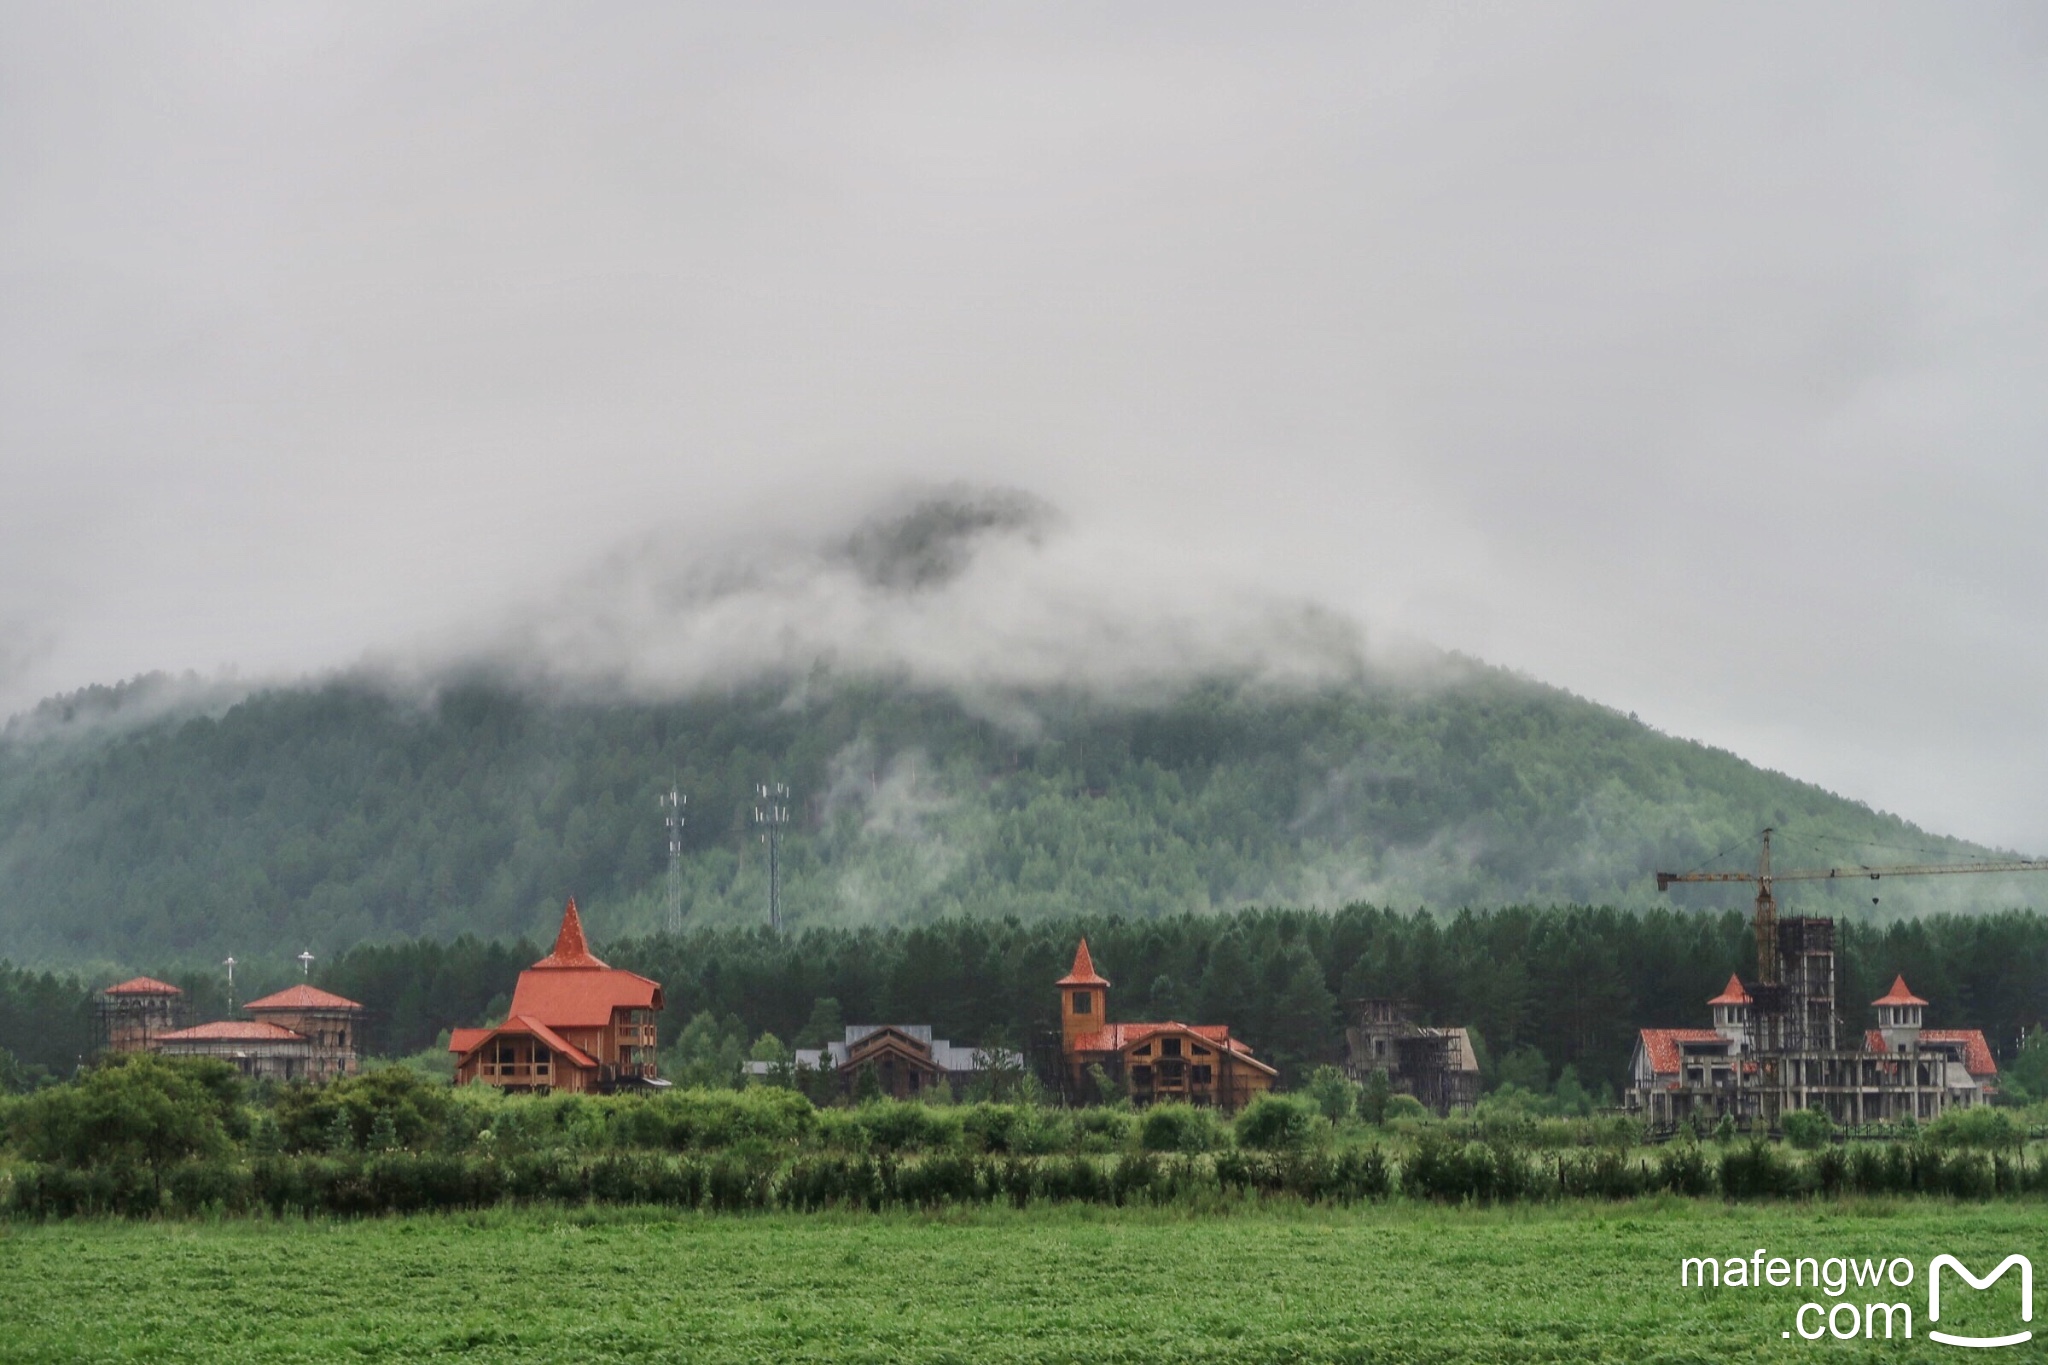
[(1084, 999), (571, 950)]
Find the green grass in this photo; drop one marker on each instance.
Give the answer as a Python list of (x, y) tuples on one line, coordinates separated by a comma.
[(1399, 1283)]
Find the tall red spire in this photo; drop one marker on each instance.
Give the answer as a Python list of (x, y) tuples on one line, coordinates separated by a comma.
[(570, 948), (1083, 973)]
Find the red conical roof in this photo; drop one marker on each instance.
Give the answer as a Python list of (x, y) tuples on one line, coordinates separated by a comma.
[(1083, 973), (1899, 995), (570, 948), (1732, 993)]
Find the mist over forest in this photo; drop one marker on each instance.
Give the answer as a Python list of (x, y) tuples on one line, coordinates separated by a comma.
[(974, 719)]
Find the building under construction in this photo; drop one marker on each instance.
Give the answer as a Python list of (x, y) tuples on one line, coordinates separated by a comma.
[(1438, 1066), (1775, 1045)]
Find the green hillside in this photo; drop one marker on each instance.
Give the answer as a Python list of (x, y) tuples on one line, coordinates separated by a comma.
[(330, 815)]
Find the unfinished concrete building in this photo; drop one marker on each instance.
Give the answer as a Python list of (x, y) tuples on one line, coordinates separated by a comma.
[(1438, 1066), (1775, 1047), (131, 1017)]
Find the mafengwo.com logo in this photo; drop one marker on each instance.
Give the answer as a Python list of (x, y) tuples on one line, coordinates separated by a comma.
[(1871, 1298)]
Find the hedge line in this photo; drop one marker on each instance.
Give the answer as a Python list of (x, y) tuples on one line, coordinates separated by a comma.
[(1440, 1171)]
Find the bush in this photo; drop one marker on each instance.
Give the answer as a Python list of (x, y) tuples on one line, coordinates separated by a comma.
[(1807, 1129), (903, 1126), (1180, 1128), (136, 1109), (1979, 1129), (1276, 1123), (314, 1117)]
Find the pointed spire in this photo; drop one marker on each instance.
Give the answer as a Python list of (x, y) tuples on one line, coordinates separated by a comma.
[(1732, 994), (1083, 973), (1899, 995), (571, 950)]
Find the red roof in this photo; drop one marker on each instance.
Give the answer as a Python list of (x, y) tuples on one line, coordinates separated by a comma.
[(1117, 1037), (303, 997), (571, 951), (144, 985), (1663, 1045), (465, 1041), (1083, 972), (1898, 994), (582, 999), (235, 1031), (1732, 993), (1977, 1058)]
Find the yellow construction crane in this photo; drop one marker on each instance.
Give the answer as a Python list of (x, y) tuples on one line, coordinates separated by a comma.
[(1767, 904)]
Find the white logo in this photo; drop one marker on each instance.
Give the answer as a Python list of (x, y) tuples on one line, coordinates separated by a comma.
[(2026, 1298)]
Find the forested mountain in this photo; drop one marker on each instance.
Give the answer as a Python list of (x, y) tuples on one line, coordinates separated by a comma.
[(134, 832)]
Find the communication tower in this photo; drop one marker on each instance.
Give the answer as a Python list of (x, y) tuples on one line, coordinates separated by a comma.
[(673, 817), (770, 815)]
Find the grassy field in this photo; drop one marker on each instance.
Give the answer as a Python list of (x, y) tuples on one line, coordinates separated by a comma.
[(1399, 1283)]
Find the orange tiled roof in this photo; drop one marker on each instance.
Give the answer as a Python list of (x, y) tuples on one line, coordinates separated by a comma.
[(1663, 1045), (1732, 993), (1899, 995), (233, 1031), (143, 985), (571, 950), (474, 1038), (303, 997), (1117, 1037), (582, 999), (463, 1041), (1977, 1058), (1083, 972)]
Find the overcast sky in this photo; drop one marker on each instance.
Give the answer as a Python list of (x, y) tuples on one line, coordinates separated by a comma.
[(1692, 358)]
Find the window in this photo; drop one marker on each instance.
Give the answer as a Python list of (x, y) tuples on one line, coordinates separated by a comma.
[(1204, 1075), (1084, 1003), (1141, 1075), (1199, 1051), (541, 1057), (1168, 1047), (1145, 1051)]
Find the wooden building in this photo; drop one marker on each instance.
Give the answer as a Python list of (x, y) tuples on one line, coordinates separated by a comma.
[(576, 1024), (907, 1061), (1196, 1063)]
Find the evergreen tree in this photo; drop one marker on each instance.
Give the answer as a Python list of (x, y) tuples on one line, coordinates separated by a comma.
[(824, 1025), (341, 1132)]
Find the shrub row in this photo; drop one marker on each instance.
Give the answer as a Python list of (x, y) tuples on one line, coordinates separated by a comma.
[(1440, 1170)]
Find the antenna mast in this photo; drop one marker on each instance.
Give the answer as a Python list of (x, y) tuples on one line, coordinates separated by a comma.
[(230, 965), (769, 817), (672, 816)]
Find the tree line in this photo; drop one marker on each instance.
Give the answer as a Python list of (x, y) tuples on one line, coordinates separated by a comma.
[(1544, 987)]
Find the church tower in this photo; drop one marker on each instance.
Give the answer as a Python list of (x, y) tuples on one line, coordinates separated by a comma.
[(1084, 999)]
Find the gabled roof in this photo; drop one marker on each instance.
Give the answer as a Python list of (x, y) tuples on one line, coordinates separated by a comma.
[(464, 1042), (234, 1031), (1732, 993), (303, 997), (143, 985), (1117, 1037), (1083, 972), (1977, 1058), (1665, 1046), (582, 999), (571, 950), (1898, 995)]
